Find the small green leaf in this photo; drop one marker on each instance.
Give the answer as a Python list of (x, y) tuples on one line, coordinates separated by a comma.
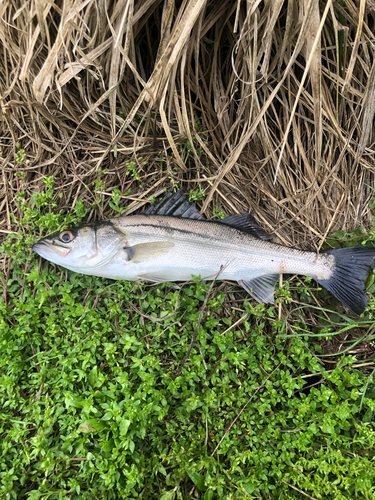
[(91, 425), (35, 495), (249, 487), (124, 426), (209, 495), (198, 480), (168, 495), (367, 417), (93, 376)]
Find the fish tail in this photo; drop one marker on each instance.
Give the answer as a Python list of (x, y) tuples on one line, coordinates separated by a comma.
[(347, 282)]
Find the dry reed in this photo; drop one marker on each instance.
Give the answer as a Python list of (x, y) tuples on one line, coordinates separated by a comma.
[(268, 105)]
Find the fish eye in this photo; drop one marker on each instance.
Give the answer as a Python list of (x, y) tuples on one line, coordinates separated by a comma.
[(66, 236)]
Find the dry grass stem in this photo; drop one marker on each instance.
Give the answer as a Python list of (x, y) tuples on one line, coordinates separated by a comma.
[(267, 106)]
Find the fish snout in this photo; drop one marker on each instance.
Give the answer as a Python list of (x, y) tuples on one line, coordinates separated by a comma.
[(47, 251), (37, 247)]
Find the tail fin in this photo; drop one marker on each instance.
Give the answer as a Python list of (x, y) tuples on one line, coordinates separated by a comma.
[(347, 283)]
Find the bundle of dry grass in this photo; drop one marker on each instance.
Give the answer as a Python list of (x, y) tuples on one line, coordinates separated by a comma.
[(268, 105)]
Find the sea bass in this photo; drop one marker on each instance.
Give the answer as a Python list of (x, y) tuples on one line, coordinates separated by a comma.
[(172, 242)]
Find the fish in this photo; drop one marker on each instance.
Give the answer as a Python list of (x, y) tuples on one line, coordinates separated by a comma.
[(171, 241)]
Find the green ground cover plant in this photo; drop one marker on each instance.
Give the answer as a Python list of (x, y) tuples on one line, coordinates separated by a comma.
[(97, 399)]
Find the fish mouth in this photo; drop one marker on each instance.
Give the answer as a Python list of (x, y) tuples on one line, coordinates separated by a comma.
[(46, 250)]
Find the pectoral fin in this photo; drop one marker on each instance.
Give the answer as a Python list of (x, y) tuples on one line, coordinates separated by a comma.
[(147, 251), (261, 288)]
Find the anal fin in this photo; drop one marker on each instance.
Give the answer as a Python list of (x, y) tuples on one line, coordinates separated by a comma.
[(261, 288), (158, 276)]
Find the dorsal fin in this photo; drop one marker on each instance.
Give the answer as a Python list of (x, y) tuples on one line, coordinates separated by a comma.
[(176, 205), (247, 223)]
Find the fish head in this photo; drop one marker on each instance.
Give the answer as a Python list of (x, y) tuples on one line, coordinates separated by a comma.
[(83, 249)]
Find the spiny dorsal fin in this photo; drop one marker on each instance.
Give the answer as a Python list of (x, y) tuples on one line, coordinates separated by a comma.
[(261, 288), (176, 205), (247, 223)]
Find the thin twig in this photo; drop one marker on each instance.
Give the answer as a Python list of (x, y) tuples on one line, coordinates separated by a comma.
[(297, 489)]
